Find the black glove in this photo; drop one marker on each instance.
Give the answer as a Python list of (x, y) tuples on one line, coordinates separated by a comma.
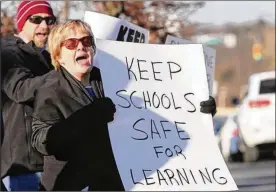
[(106, 109), (78, 125), (209, 106)]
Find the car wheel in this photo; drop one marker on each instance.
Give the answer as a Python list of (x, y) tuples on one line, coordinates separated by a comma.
[(251, 154)]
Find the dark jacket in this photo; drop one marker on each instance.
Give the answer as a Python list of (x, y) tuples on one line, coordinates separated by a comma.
[(70, 130), (22, 68), (3, 188)]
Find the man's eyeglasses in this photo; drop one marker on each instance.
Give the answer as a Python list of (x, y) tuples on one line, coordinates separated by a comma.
[(72, 43), (38, 19)]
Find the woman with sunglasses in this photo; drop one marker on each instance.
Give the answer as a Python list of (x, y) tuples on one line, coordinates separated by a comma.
[(71, 115)]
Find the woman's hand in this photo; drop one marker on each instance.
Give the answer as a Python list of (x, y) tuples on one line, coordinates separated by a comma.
[(106, 109), (209, 106)]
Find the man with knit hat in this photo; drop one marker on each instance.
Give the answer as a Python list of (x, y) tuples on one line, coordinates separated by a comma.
[(25, 67), (30, 23)]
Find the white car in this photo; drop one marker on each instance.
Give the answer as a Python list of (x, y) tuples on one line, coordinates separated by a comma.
[(218, 121), (228, 139), (256, 116)]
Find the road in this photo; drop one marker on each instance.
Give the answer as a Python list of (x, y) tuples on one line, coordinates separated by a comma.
[(258, 176)]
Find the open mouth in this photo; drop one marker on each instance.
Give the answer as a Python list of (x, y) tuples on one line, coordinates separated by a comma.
[(41, 35), (82, 60), (83, 57)]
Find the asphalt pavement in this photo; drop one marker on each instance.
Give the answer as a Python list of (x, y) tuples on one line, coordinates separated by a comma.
[(257, 176)]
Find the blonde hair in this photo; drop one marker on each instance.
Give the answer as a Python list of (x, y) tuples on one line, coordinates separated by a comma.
[(61, 32)]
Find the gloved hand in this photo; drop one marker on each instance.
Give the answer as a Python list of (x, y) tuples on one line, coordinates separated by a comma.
[(106, 109), (78, 125), (209, 106)]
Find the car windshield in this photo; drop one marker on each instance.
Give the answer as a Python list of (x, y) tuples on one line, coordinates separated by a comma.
[(267, 86)]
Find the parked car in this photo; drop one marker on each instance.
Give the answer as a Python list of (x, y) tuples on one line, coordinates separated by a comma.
[(218, 123), (228, 139), (256, 117)]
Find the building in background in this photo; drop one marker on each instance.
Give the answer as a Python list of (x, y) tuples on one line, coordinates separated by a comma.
[(241, 50), (269, 46)]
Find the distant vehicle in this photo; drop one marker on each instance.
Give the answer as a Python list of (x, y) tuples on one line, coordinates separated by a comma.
[(228, 139), (218, 123), (256, 117)]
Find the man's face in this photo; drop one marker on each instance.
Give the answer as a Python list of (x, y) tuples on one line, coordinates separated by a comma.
[(38, 31)]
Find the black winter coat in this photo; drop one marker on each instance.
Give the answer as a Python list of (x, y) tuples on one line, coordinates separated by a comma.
[(22, 68), (68, 129)]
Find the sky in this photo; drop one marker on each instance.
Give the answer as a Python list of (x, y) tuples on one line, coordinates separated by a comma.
[(219, 12)]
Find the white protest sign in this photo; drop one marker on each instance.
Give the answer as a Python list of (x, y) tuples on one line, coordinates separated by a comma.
[(160, 139), (111, 28), (210, 58)]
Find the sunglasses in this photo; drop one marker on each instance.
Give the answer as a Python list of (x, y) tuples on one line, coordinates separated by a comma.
[(72, 43), (38, 19)]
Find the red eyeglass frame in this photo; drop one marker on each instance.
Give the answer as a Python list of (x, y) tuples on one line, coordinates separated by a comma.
[(73, 43)]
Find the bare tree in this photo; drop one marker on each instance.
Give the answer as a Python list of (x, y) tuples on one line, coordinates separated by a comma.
[(163, 16), (63, 8), (9, 7), (7, 24)]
